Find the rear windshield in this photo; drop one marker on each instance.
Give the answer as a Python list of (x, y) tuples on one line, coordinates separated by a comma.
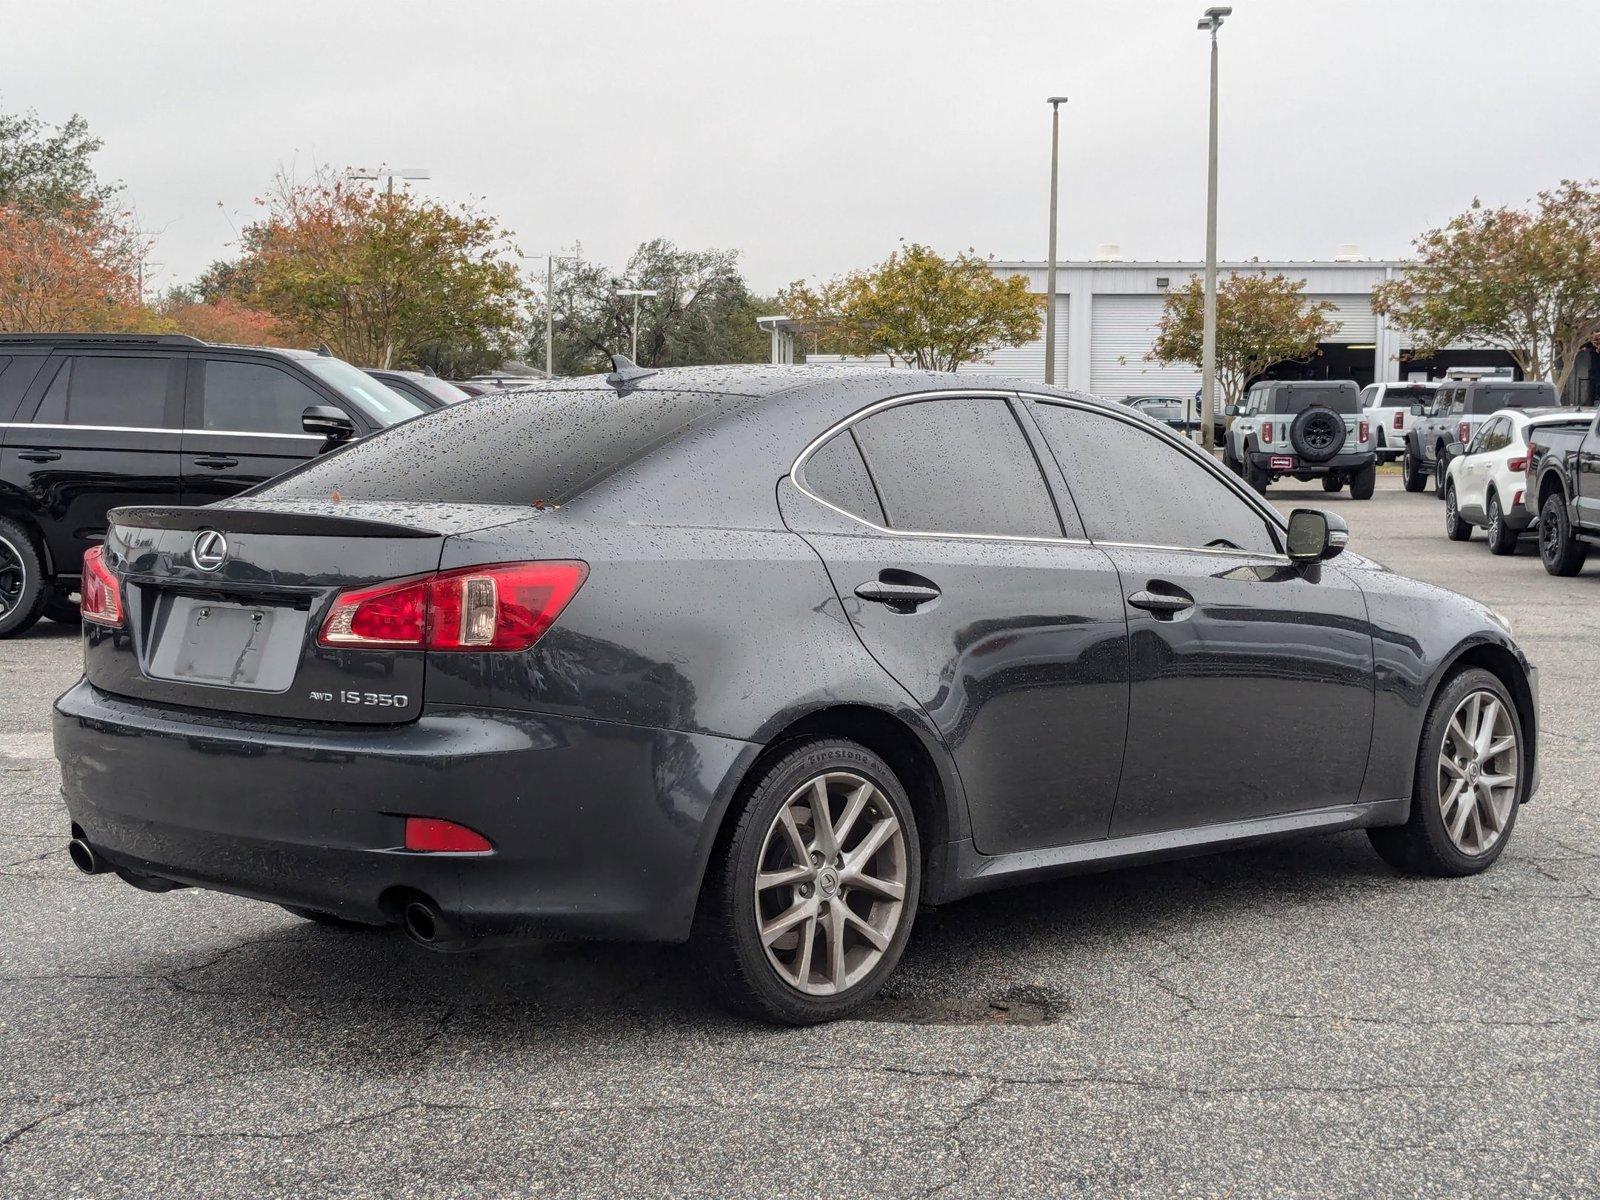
[(502, 448), (1405, 397), (1493, 399), (1297, 400)]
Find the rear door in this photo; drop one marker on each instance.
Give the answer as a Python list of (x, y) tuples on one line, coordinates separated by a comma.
[(96, 429), (1252, 677), (1477, 466), (243, 424), (1007, 629)]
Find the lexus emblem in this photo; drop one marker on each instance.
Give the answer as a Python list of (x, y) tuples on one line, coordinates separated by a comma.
[(210, 550)]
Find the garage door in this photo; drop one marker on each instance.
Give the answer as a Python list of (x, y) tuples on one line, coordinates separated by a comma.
[(1027, 360), (1124, 331), (1353, 316)]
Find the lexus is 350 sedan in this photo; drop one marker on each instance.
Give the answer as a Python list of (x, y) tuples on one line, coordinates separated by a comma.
[(765, 658)]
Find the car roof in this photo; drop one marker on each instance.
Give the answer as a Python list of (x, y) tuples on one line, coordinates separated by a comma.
[(143, 341), (1552, 416)]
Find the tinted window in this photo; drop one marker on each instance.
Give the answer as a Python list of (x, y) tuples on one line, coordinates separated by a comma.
[(95, 390), (503, 448), (379, 401), (1494, 435), (836, 473), (960, 465), (1295, 400), (1133, 485), (1405, 397), (253, 398)]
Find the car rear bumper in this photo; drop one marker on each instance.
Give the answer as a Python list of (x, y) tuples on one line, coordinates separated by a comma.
[(599, 829), (1289, 463)]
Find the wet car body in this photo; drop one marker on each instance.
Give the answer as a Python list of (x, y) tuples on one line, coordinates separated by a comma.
[(1041, 725)]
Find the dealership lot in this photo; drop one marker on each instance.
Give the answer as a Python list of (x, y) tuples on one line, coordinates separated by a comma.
[(1289, 1020)]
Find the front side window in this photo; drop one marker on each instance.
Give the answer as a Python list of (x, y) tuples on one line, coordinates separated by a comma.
[(249, 397), (957, 465), (127, 393), (1135, 487)]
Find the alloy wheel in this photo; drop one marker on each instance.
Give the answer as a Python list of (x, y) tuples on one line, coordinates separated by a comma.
[(1478, 772), (13, 577), (831, 883)]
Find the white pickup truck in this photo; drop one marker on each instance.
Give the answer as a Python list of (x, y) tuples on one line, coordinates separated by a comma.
[(1388, 408)]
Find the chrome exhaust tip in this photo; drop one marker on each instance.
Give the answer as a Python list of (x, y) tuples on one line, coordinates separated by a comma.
[(85, 858), (424, 923)]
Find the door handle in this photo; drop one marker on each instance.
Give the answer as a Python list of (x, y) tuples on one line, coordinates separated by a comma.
[(216, 462), (39, 455), (897, 595), (1162, 604)]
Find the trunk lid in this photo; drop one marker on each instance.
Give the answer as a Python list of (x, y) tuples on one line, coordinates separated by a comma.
[(222, 605)]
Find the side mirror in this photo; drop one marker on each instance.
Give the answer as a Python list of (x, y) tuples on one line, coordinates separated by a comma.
[(1315, 535), (1417, 409), (1233, 410), (326, 421), (1455, 449)]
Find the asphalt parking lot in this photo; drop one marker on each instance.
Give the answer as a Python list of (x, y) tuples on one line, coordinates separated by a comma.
[(1295, 1020)]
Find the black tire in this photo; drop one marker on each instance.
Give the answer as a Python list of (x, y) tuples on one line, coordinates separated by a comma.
[(1562, 553), (1256, 477), (1364, 482), (1332, 482), (317, 916), (23, 586), (1317, 434), (1423, 846), (1228, 460), (1455, 525), (1441, 471), (1502, 538), (727, 920), (1412, 473), (62, 609)]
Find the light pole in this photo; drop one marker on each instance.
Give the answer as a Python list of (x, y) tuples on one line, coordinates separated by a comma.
[(550, 261), (1210, 23), (389, 173), (1055, 103), (637, 294)]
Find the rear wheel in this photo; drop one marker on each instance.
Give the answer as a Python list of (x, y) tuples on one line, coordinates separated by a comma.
[(1562, 553), (1412, 473), (1502, 538), (1468, 784), (808, 904), (23, 587), (1364, 482), (1455, 528)]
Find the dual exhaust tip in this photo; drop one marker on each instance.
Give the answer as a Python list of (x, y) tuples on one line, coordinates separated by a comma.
[(86, 858)]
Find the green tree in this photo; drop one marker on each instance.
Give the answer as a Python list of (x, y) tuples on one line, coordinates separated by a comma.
[(921, 308), (1527, 281), (704, 311), (379, 275), (1261, 320), (45, 168)]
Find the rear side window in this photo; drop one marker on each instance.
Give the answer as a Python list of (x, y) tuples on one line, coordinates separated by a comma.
[(958, 465), (504, 448), (104, 390), (247, 397), (836, 473), (1133, 486)]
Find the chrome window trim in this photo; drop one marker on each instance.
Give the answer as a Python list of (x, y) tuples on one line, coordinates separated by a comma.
[(796, 476), (311, 437)]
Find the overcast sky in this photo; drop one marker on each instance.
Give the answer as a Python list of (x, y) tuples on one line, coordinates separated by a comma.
[(812, 134)]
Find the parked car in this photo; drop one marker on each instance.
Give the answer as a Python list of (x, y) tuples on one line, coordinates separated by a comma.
[(1562, 488), (429, 391), (1486, 479), (1391, 409), (1175, 412), (1457, 410), (88, 422), (766, 658), (1305, 429)]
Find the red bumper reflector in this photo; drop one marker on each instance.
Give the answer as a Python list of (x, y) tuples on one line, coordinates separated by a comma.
[(1280, 462), (432, 834)]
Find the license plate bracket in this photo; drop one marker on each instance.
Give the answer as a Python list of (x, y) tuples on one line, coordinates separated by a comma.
[(255, 647)]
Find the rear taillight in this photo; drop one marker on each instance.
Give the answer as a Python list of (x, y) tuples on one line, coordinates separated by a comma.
[(99, 596), (1518, 464), (503, 606), (1363, 432), (1399, 418), (1464, 433), (1266, 431)]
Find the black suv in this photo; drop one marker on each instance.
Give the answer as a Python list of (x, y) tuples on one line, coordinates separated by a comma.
[(91, 421)]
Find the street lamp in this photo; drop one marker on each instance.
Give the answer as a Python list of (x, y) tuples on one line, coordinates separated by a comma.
[(637, 294), (550, 261), (1210, 23), (1055, 103), (391, 174)]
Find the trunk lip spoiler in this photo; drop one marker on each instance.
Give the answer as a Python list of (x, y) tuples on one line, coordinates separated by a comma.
[(193, 519)]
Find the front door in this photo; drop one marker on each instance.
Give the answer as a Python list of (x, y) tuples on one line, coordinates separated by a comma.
[(1252, 678), (962, 584)]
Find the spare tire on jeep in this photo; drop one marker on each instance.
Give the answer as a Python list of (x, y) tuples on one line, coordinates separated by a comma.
[(1317, 434)]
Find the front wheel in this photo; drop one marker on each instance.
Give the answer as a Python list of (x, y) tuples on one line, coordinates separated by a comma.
[(1562, 553), (1412, 473), (1332, 482), (1456, 529), (1256, 477), (1502, 538), (1441, 468), (1468, 785), (808, 903)]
